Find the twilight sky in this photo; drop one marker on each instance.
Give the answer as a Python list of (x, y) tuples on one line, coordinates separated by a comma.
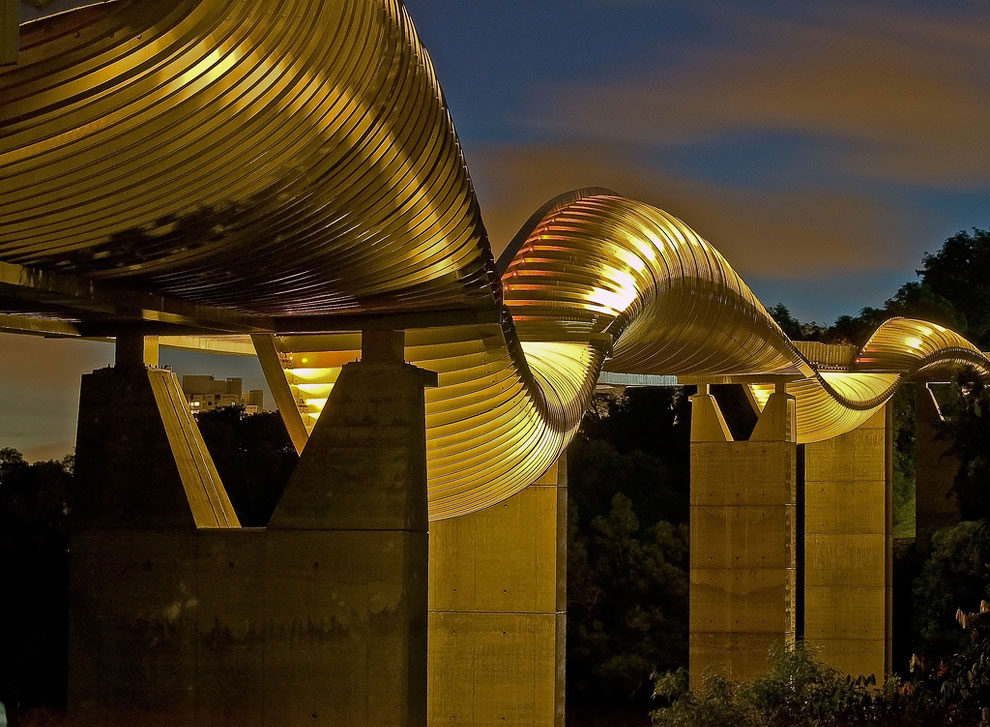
[(822, 147)]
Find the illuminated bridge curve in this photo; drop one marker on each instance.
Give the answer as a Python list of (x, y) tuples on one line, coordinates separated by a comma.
[(603, 282), (289, 169)]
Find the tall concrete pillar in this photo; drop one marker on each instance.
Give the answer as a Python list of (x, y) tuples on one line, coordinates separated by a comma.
[(319, 619), (354, 519), (145, 485), (848, 548), (743, 537), (935, 468), (497, 611)]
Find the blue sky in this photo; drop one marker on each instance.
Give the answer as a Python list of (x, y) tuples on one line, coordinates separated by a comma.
[(822, 147)]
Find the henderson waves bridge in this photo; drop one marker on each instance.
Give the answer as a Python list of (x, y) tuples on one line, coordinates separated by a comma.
[(283, 177)]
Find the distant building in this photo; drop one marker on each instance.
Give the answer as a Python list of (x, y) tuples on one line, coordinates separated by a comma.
[(204, 393)]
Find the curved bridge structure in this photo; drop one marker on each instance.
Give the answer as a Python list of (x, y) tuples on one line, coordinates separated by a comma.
[(289, 167)]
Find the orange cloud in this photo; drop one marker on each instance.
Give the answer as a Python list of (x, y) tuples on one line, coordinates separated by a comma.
[(907, 94), (794, 232)]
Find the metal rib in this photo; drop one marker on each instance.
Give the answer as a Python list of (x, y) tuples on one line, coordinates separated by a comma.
[(296, 158)]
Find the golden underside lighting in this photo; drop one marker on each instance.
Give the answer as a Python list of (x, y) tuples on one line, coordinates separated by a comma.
[(495, 422), (232, 154)]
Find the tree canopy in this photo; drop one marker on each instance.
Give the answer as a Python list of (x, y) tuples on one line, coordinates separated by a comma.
[(953, 290)]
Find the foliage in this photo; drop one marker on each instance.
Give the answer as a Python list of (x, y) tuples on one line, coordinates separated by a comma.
[(965, 679), (627, 546), (799, 691), (627, 604), (968, 419), (795, 329), (254, 457), (855, 329), (953, 290), (957, 571), (795, 690), (787, 322), (957, 280), (653, 421), (33, 569)]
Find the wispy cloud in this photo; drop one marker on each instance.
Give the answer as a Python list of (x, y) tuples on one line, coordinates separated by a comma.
[(906, 95), (790, 232)]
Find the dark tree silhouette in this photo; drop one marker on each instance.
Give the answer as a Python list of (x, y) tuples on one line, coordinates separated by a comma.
[(627, 549), (254, 457), (787, 322), (953, 290), (34, 603)]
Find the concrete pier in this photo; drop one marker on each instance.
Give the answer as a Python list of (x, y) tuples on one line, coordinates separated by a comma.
[(320, 619), (743, 538), (497, 611), (848, 548)]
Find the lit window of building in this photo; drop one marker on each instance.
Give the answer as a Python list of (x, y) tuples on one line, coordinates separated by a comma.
[(205, 393)]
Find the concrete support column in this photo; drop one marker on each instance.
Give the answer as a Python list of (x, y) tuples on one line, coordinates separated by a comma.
[(134, 349), (743, 537), (140, 459), (354, 519), (848, 548), (145, 486), (497, 611), (935, 467), (320, 619)]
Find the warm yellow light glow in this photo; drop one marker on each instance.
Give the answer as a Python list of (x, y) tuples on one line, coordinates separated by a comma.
[(315, 389), (761, 394), (312, 375), (492, 427), (261, 173)]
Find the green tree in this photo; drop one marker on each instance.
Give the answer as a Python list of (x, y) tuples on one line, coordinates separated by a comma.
[(787, 322), (956, 571), (957, 279), (795, 691), (254, 458), (854, 329), (953, 290), (627, 604), (968, 417), (627, 548)]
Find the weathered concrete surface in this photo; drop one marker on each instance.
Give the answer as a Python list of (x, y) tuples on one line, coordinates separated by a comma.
[(364, 467), (320, 619), (935, 467), (140, 459), (247, 627), (743, 537), (848, 548), (497, 611)]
